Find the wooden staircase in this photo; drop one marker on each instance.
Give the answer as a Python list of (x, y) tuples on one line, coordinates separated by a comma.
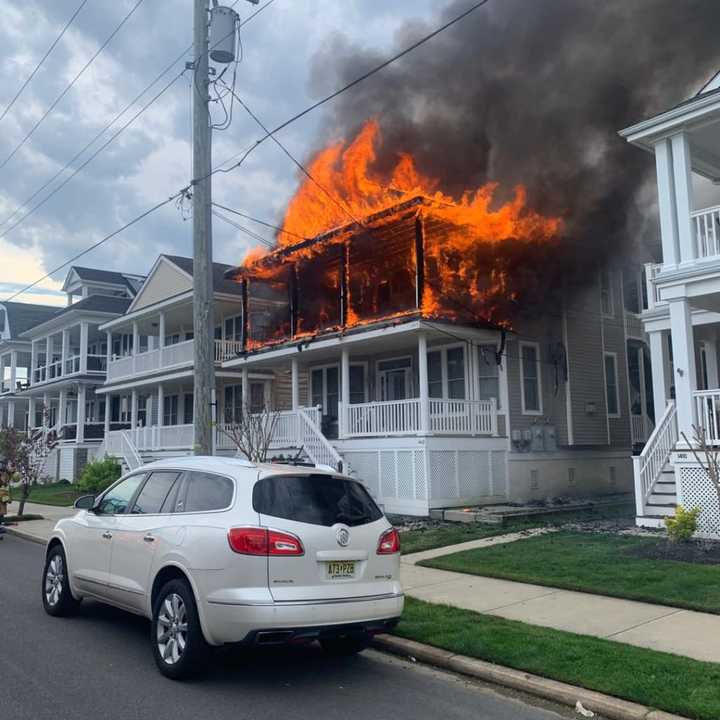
[(662, 501)]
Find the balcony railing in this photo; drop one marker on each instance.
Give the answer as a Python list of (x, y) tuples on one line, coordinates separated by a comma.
[(641, 427), (227, 349), (403, 417), (707, 407), (707, 231), (167, 357)]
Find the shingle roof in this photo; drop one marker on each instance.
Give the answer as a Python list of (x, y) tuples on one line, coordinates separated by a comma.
[(107, 276), (220, 282), (23, 316)]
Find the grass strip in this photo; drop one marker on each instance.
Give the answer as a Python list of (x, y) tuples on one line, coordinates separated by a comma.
[(660, 680), (58, 494)]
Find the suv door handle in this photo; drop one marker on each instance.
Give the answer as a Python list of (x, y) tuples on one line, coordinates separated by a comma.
[(148, 538), (107, 535)]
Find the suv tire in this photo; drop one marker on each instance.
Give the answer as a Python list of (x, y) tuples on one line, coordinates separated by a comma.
[(57, 597), (179, 647)]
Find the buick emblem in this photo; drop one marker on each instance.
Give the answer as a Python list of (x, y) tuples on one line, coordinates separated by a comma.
[(343, 537)]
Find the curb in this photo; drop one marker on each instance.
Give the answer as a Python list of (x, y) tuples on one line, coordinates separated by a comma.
[(26, 535), (559, 692)]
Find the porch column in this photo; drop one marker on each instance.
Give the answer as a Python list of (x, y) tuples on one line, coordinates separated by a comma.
[(423, 381), (685, 379), (80, 432), (134, 409), (666, 203), (245, 384), (295, 383), (135, 343), (344, 390), (62, 395), (161, 405), (213, 419), (711, 364), (48, 355), (682, 171), (161, 330), (108, 407), (33, 361), (11, 414), (13, 370), (659, 365), (108, 349), (46, 410), (83, 347), (643, 398), (64, 351), (31, 413)]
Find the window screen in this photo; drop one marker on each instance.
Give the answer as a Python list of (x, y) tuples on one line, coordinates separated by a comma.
[(315, 499)]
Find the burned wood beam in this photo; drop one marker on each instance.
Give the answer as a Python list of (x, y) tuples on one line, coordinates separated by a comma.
[(244, 302), (344, 281), (293, 292), (419, 261)]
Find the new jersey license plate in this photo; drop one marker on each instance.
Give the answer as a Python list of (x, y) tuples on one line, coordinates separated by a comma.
[(338, 569)]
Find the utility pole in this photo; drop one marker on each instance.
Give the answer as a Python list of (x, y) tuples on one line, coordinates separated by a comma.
[(203, 324)]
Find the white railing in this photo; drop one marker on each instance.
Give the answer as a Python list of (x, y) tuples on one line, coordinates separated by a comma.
[(178, 354), (707, 231), (315, 444), (463, 417), (146, 362), (392, 417), (633, 326), (404, 417), (227, 349), (129, 451), (648, 466), (286, 433), (641, 427), (653, 299), (707, 405), (120, 367)]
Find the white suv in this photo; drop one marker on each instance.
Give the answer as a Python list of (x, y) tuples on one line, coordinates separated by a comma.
[(217, 550)]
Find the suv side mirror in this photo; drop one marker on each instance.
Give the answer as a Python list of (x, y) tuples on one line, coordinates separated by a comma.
[(85, 502)]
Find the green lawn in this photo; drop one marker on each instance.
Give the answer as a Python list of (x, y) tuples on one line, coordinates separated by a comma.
[(52, 494), (660, 680), (594, 563), (412, 541)]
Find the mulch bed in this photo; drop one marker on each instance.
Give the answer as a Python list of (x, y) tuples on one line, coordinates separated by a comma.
[(704, 552)]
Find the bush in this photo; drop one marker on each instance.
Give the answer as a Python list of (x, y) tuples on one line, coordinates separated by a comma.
[(683, 526), (99, 474)]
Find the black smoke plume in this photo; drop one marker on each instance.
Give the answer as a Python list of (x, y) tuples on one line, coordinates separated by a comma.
[(534, 92)]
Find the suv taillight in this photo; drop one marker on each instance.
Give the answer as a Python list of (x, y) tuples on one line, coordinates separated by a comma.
[(389, 543), (264, 542)]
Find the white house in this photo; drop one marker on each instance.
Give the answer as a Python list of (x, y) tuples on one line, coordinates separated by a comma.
[(683, 310)]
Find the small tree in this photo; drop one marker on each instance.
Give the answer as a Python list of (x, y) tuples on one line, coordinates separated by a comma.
[(252, 433), (711, 453)]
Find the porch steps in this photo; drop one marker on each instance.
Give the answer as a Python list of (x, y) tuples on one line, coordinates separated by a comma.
[(662, 501)]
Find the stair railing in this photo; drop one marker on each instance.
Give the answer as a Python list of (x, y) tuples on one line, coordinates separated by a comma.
[(316, 445), (130, 452)]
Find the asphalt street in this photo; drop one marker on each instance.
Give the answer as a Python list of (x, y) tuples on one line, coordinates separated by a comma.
[(98, 665)]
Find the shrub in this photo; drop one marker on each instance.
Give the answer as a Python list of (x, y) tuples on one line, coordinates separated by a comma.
[(99, 474), (683, 526)]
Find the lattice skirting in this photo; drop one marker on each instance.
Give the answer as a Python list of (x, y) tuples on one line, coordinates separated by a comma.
[(696, 490), (419, 476)]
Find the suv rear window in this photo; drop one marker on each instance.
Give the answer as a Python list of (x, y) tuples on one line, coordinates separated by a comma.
[(315, 499), (205, 492)]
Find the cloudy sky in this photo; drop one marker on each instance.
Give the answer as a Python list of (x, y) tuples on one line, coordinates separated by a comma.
[(151, 160)]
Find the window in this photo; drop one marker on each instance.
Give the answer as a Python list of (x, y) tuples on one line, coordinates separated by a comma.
[(456, 373), (233, 328), (188, 408), (116, 500), (315, 499), (2, 321), (170, 410), (446, 373), (154, 493), (233, 403), (530, 372), (611, 385), (357, 384), (394, 378), (488, 374), (606, 298), (204, 492)]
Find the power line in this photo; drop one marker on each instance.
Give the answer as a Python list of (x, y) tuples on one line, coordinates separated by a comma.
[(43, 59), (57, 189), (242, 228), (97, 244), (243, 156), (260, 222), (107, 127), (302, 168), (72, 82)]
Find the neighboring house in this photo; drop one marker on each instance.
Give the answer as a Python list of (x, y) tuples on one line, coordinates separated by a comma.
[(683, 311), (68, 363), (15, 357), (429, 411)]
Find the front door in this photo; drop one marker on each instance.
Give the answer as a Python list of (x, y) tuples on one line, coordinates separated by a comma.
[(325, 391), (394, 379)]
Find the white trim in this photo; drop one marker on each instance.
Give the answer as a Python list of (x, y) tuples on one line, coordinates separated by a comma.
[(538, 370), (611, 312), (442, 349), (614, 356)]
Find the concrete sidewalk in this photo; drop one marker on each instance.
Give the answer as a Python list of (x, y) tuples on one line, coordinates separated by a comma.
[(38, 530), (682, 632)]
